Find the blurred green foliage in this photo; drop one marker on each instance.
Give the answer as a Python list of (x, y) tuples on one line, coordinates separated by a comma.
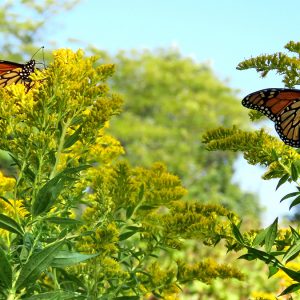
[(170, 101)]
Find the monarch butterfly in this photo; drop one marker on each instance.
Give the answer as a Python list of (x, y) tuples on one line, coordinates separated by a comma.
[(281, 106), (13, 73)]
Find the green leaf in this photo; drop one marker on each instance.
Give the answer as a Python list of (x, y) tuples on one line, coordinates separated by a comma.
[(67, 258), (16, 161), (260, 237), (157, 295), (248, 256), (147, 207), (291, 289), (290, 195), (77, 120), (292, 251), (29, 174), (9, 224), (28, 241), (36, 264), (291, 273), (271, 235), (129, 211), (238, 236), (265, 257), (26, 170), (273, 270), (134, 228), (295, 202), (294, 172), (274, 155), (6, 200), (141, 192), (126, 235), (282, 180), (57, 295), (6, 271), (72, 139), (295, 234), (65, 221), (48, 194)]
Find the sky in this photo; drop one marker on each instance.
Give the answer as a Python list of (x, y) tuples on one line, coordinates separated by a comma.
[(219, 32)]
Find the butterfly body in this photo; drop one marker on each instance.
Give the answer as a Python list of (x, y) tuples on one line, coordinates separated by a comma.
[(281, 106), (13, 73)]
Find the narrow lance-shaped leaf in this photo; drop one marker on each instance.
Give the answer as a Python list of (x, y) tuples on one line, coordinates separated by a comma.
[(72, 139), (237, 234), (57, 295), (291, 289), (36, 264), (6, 200), (282, 180), (6, 271), (9, 224), (295, 202), (65, 221), (126, 235), (291, 273), (290, 195), (271, 235), (48, 194), (295, 234), (294, 172), (67, 258), (248, 256), (292, 251), (273, 270), (260, 237)]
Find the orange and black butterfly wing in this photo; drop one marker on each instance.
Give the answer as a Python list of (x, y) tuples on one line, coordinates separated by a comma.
[(6, 66), (7, 73), (13, 73), (287, 124), (281, 106)]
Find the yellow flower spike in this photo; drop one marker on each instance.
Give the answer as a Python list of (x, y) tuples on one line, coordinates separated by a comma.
[(10, 101), (65, 56), (11, 210), (6, 184)]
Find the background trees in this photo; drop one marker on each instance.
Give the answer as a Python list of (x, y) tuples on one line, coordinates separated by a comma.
[(170, 101)]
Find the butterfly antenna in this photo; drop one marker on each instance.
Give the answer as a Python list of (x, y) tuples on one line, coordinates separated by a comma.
[(44, 57), (37, 52), (40, 63)]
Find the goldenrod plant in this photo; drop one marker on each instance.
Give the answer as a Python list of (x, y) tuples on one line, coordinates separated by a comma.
[(277, 248), (76, 221)]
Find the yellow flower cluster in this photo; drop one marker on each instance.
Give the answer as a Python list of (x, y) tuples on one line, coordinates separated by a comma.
[(58, 124), (106, 149), (70, 102), (6, 184), (206, 271), (258, 148)]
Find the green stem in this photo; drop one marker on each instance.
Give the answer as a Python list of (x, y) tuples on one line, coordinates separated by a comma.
[(287, 171), (56, 283), (60, 147), (19, 177)]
